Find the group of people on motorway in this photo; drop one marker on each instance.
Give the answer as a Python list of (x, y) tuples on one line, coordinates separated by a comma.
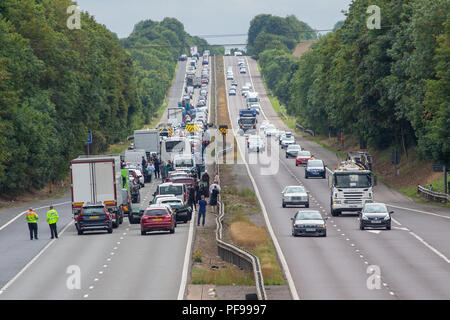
[(32, 220)]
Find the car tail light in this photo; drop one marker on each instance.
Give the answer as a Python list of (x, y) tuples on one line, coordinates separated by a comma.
[(254, 126), (107, 215), (79, 216)]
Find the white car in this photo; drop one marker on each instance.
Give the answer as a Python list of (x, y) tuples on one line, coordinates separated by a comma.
[(286, 141), (279, 134), (139, 175), (230, 76), (270, 130), (255, 143), (245, 90), (242, 70), (249, 85)]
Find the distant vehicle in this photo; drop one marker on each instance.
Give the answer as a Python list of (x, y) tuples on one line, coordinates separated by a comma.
[(264, 125), (234, 83), (232, 92), (131, 147), (309, 222), (255, 143), (177, 189), (135, 215), (157, 218), (249, 85), (173, 146), (375, 215), (183, 57), (245, 90), (139, 176), (292, 150), (230, 76), (227, 52), (242, 70), (94, 217), (287, 140), (303, 157), (270, 130), (252, 100), (279, 134), (237, 53), (295, 195), (148, 140), (197, 82), (247, 120), (315, 168)]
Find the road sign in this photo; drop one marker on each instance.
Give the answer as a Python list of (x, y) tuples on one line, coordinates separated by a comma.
[(90, 137), (223, 129)]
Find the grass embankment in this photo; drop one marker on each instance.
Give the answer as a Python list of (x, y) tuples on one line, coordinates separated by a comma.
[(241, 207)]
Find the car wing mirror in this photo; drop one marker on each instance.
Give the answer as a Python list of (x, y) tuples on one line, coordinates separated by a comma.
[(391, 212), (326, 218)]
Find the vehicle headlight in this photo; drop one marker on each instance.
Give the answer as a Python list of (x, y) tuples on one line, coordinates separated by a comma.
[(387, 218), (337, 202), (364, 218)]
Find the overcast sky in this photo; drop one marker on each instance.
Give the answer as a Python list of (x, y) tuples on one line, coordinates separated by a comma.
[(211, 17)]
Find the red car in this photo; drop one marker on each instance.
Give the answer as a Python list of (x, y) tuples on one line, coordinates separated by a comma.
[(303, 157), (157, 218)]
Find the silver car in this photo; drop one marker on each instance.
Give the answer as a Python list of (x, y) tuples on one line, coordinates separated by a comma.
[(295, 195), (309, 222)]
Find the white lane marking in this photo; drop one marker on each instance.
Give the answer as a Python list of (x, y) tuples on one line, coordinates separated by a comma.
[(10, 282), (187, 258), (283, 261), (398, 223), (22, 213), (430, 247), (401, 228), (374, 231), (419, 211)]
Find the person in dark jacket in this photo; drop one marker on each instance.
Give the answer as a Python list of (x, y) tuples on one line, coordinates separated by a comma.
[(144, 163), (192, 198), (162, 168), (213, 199), (205, 178), (156, 164)]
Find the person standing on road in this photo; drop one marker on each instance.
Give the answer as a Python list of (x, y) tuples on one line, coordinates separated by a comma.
[(52, 219), (156, 164), (191, 199), (205, 178), (150, 169), (144, 162), (32, 219), (202, 210), (162, 168)]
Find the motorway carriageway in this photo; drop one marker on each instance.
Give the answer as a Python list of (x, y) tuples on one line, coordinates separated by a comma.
[(121, 265), (412, 257)]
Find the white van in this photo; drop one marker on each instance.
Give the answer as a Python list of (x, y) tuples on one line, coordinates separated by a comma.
[(183, 162), (134, 157), (175, 146)]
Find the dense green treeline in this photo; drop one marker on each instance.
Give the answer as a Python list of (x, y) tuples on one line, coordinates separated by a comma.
[(390, 86), (57, 83)]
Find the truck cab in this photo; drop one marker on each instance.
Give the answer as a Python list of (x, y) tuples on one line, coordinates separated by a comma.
[(351, 188), (253, 102), (247, 120)]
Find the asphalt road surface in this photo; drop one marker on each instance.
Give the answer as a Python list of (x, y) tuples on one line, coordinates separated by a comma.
[(96, 265), (412, 258)]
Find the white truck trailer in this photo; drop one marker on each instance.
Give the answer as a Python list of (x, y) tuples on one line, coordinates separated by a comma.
[(175, 116), (97, 180), (147, 140)]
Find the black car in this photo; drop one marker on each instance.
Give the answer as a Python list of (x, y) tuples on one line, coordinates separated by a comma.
[(375, 215), (94, 217), (309, 223), (135, 214), (315, 168)]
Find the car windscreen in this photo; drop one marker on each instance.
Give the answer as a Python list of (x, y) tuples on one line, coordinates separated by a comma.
[(352, 180), (176, 190), (247, 121), (252, 100), (304, 154), (174, 146), (294, 147), (184, 163), (93, 211), (295, 190), (155, 212), (374, 208), (315, 163), (308, 215), (173, 204)]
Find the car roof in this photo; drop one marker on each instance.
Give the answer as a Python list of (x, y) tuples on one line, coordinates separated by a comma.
[(168, 199), (170, 184), (156, 206)]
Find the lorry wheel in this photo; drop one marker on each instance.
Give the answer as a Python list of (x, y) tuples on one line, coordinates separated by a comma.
[(143, 233), (172, 230), (284, 205), (361, 226), (334, 213), (307, 205)]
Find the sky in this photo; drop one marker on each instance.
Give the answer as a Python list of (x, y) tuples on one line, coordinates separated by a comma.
[(212, 17)]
